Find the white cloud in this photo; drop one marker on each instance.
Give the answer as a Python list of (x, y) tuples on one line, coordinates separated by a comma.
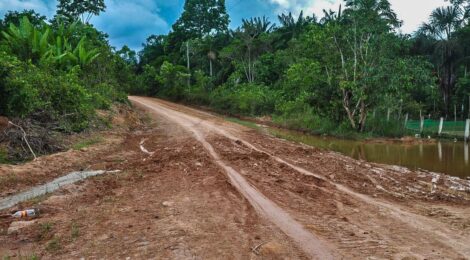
[(415, 12), (308, 6), (412, 12), (130, 22), (40, 6)]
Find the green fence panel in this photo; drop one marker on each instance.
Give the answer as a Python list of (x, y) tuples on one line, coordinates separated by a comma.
[(456, 128)]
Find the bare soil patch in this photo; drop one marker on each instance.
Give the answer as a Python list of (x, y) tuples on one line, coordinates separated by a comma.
[(175, 201)]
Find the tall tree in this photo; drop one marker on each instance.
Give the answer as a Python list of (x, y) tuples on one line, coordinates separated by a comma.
[(356, 46), (153, 51), (291, 27), (80, 9), (128, 55), (442, 25), (202, 17), (464, 4), (250, 42)]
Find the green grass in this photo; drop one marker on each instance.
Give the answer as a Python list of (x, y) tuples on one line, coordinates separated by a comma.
[(87, 142), (375, 128), (3, 156), (75, 231), (53, 245), (22, 257), (339, 132), (45, 229), (242, 122)]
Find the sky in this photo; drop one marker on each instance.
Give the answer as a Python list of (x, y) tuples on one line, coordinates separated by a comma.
[(130, 22)]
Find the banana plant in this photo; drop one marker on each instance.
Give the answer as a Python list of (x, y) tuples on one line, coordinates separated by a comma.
[(59, 52), (83, 55), (26, 41), (42, 45)]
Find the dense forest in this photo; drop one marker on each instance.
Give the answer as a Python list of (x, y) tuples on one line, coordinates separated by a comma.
[(337, 74), (343, 72)]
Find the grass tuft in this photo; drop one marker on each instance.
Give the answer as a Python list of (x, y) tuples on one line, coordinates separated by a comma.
[(88, 142)]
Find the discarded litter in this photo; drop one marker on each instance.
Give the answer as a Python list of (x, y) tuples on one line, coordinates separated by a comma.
[(29, 213)]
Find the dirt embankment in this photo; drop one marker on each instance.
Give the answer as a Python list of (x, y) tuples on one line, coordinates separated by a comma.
[(195, 186), (82, 152)]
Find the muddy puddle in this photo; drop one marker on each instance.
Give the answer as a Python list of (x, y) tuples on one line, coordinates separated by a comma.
[(446, 157)]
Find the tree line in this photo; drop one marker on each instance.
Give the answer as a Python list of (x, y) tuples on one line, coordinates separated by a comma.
[(319, 73), (339, 73)]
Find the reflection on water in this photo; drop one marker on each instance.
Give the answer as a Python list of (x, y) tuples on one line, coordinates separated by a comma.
[(447, 157), (466, 153)]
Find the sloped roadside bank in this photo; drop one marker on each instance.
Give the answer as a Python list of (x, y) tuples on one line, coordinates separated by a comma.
[(445, 156), (76, 153), (252, 122)]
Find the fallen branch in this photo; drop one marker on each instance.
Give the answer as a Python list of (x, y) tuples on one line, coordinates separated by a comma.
[(24, 138)]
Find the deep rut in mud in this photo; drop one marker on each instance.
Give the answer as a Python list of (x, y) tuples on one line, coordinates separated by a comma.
[(193, 185), (305, 240), (431, 233)]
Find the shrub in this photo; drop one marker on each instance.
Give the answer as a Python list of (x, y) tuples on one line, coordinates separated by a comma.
[(198, 93), (379, 126), (18, 96), (27, 89), (104, 94), (174, 80), (299, 115), (244, 99)]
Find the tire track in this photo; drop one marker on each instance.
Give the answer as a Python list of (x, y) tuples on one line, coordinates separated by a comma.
[(307, 241), (413, 221)]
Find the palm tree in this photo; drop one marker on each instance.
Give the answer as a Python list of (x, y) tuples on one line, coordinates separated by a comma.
[(442, 25), (249, 34), (291, 27), (331, 16), (380, 8), (254, 27)]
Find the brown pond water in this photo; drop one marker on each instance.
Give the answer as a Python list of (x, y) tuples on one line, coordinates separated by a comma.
[(446, 157)]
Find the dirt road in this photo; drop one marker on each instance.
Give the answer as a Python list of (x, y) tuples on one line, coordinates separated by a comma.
[(196, 186)]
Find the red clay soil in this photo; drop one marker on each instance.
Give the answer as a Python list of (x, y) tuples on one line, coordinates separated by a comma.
[(195, 186)]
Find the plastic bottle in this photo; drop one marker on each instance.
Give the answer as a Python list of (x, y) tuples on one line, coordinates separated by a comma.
[(31, 213)]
